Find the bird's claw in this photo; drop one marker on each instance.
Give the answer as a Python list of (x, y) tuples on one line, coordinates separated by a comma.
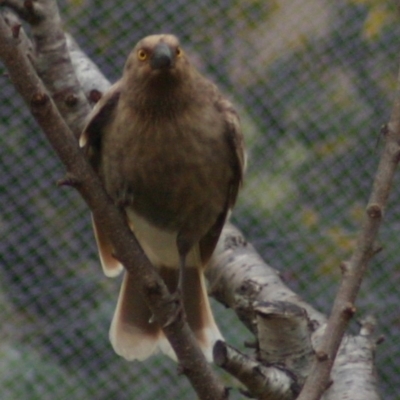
[(177, 299)]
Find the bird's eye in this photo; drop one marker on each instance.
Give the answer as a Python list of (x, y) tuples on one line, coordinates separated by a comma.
[(141, 55), (179, 52)]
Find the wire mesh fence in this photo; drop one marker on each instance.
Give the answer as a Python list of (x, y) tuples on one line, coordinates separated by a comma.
[(313, 81)]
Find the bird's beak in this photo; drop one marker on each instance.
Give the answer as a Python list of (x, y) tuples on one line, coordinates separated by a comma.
[(162, 57)]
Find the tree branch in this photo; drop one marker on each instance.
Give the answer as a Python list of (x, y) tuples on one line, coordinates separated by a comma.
[(353, 271), (284, 337), (353, 372), (92, 81), (52, 61), (241, 280), (82, 177), (264, 382)]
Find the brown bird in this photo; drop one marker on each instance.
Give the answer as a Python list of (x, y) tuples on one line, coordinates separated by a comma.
[(169, 150)]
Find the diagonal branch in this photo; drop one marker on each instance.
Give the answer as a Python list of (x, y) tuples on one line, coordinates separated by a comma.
[(241, 280), (52, 60), (354, 270), (82, 177)]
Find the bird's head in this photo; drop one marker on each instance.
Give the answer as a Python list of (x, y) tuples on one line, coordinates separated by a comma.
[(158, 75), (157, 56)]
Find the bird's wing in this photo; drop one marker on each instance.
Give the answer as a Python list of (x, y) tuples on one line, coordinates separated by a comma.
[(234, 137), (98, 119), (235, 143), (90, 140)]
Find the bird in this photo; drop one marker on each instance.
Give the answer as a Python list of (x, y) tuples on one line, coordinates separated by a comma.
[(169, 150)]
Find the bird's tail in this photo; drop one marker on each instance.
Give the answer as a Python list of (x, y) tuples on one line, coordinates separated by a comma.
[(132, 334)]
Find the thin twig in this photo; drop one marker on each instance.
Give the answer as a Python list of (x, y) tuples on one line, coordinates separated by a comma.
[(354, 270)]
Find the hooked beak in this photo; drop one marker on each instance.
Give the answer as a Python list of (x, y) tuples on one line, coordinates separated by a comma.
[(162, 57)]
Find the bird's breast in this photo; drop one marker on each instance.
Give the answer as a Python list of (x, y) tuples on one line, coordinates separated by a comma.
[(166, 169)]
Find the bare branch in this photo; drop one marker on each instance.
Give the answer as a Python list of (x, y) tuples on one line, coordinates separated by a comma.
[(241, 280), (92, 81), (192, 361), (264, 382), (53, 64), (284, 336), (343, 307), (354, 372), (21, 8)]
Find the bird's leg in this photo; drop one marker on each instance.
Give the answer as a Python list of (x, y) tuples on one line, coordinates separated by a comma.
[(176, 297), (182, 265), (184, 245)]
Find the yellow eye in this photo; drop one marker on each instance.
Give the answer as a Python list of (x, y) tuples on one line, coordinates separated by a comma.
[(141, 55), (179, 52)]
